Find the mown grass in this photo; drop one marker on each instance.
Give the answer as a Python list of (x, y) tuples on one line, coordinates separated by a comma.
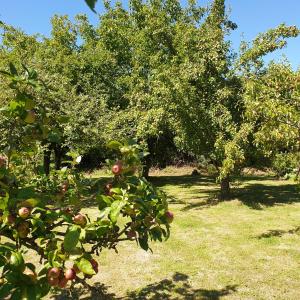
[(246, 248)]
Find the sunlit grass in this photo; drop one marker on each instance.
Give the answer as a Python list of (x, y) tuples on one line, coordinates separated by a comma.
[(246, 248)]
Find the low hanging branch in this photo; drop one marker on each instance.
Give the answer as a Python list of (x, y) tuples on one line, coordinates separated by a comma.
[(44, 213)]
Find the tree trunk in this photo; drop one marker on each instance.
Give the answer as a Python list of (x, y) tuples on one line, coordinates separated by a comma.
[(58, 156), (47, 160), (225, 188), (146, 167)]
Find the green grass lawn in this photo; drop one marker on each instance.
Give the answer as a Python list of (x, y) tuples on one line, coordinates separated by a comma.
[(246, 248)]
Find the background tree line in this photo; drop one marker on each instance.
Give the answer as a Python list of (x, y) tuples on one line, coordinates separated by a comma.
[(166, 75)]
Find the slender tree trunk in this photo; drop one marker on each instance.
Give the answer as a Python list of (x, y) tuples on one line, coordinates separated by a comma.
[(225, 188), (58, 156), (146, 167), (47, 160), (147, 162)]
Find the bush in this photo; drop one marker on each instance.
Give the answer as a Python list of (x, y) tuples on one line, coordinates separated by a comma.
[(284, 163)]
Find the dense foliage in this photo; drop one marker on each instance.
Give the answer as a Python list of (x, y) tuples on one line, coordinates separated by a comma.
[(43, 212), (160, 72), (272, 105)]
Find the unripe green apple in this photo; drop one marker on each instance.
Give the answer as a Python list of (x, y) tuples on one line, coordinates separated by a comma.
[(30, 117), (17, 261)]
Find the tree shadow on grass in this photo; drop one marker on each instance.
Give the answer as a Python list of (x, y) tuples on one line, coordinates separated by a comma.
[(198, 197), (278, 233), (96, 292), (259, 195), (211, 199), (182, 180), (178, 288)]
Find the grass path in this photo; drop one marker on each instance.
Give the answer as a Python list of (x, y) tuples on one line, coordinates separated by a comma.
[(246, 248)]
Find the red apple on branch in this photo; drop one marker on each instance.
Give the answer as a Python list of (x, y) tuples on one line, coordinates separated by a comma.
[(11, 219), (2, 161), (53, 273), (24, 212), (62, 283), (117, 168), (131, 234), (53, 281), (80, 219), (65, 186), (70, 274), (170, 216)]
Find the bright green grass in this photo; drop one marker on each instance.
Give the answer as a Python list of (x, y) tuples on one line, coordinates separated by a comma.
[(246, 248)]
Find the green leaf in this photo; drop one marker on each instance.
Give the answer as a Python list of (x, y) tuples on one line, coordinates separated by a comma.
[(117, 191), (44, 287), (156, 234), (104, 201), (86, 267), (4, 72), (54, 136), (14, 105), (17, 295), (5, 290), (17, 261), (52, 256), (32, 202), (29, 104), (143, 241), (115, 210), (4, 201), (115, 145), (91, 4), (26, 192), (30, 293), (13, 69), (71, 238)]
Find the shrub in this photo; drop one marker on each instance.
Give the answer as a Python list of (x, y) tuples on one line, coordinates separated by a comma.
[(284, 163)]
